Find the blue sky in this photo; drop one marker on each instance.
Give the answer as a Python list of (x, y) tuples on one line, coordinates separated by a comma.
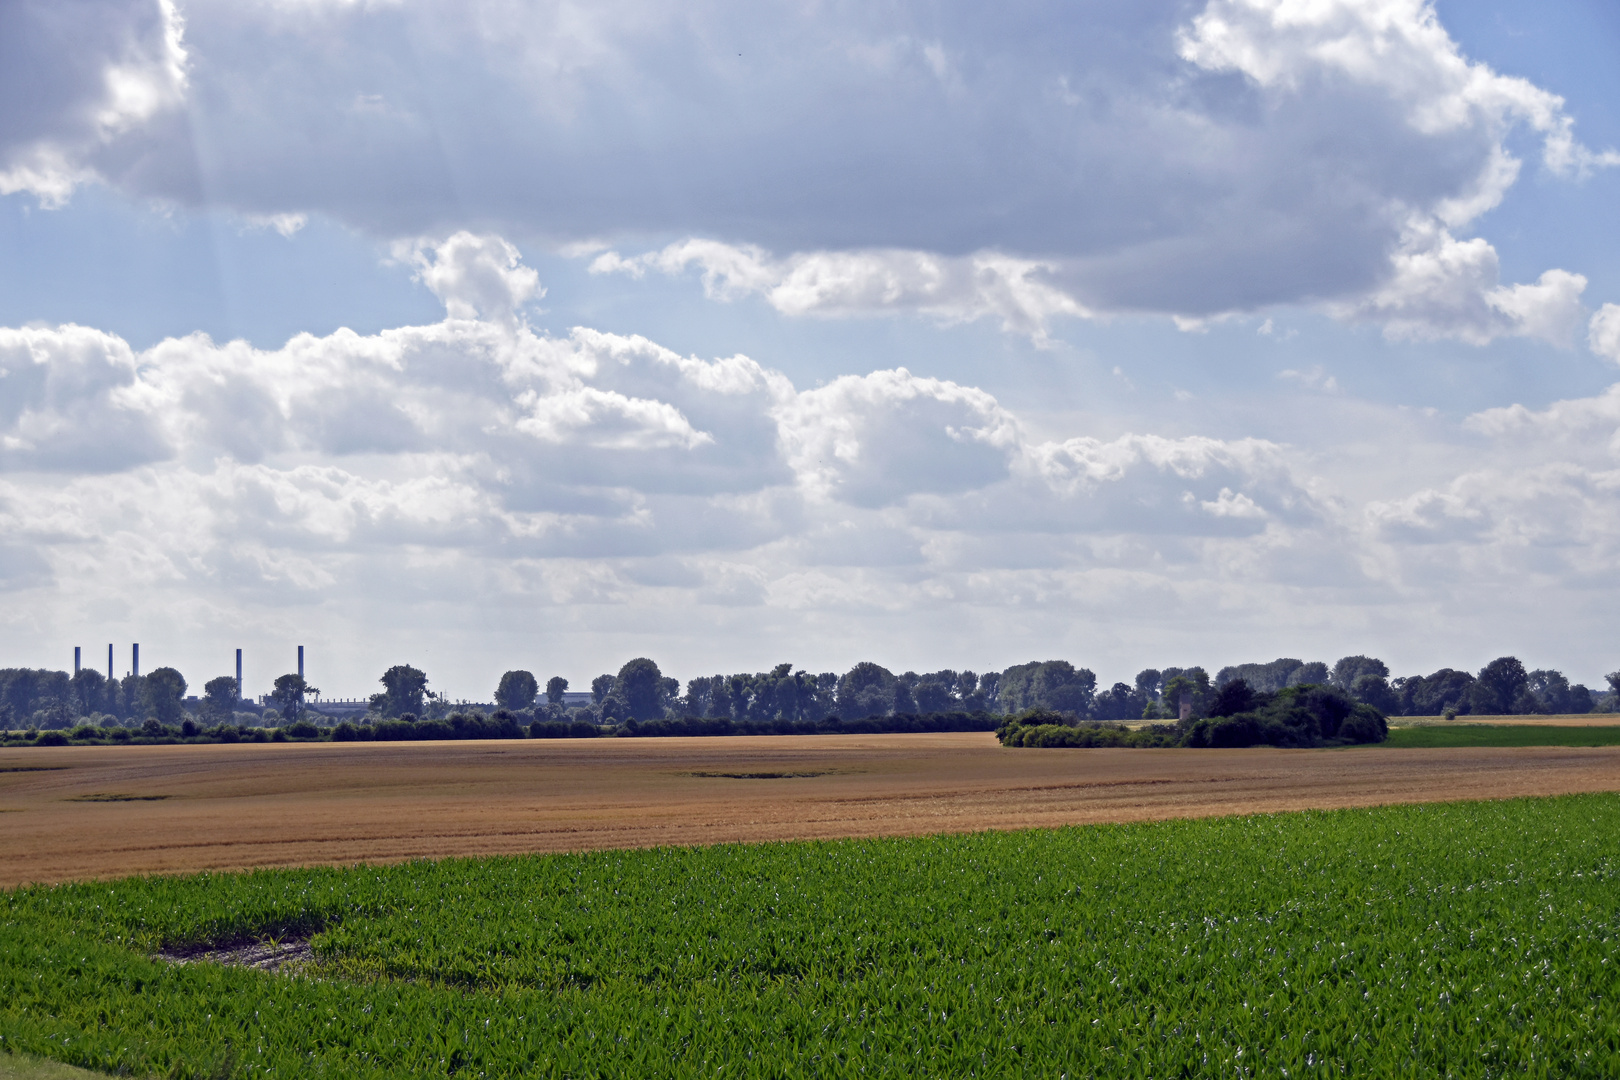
[(545, 335)]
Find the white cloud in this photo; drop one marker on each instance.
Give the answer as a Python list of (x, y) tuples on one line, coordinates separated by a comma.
[(844, 283), (1124, 158), (1443, 287), (475, 461), (876, 439), (80, 82), (288, 225), (69, 402), (1314, 378), (475, 276), (1603, 335), (1398, 48)]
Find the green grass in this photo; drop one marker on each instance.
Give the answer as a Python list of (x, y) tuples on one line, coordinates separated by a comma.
[(1471, 939), (26, 1067), (1502, 735)]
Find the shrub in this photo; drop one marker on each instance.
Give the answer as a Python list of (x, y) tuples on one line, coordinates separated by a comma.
[(51, 738), (188, 728), (276, 735), (345, 732), (301, 729), (119, 734)]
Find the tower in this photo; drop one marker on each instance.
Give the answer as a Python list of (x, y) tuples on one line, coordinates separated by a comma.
[(238, 674), (75, 659), (135, 659), (300, 661)]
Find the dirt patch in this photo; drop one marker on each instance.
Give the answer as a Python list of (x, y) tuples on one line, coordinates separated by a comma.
[(103, 796), (1561, 720), (276, 956), (761, 775), (297, 804)]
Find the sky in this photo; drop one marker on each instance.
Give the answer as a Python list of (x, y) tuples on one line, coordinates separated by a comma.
[(489, 335)]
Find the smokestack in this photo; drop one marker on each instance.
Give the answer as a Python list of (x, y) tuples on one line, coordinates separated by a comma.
[(238, 674), (109, 662), (300, 661), (135, 659), (75, 659)]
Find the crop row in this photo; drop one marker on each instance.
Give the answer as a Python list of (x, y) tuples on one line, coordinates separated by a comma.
[(1463, 939)]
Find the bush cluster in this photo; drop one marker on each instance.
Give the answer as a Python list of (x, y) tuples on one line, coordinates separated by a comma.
[(1295, 716)]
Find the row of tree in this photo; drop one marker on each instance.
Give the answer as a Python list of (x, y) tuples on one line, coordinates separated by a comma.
[(640, 691)]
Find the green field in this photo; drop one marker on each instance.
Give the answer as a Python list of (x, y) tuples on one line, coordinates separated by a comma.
[(1437, 735), (1471, 939)]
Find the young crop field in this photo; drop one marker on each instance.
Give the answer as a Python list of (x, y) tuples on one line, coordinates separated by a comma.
[(1437, 735), (1464, 939)]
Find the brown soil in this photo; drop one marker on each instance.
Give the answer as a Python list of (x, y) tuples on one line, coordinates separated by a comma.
[(183, 808), (1564, 720)]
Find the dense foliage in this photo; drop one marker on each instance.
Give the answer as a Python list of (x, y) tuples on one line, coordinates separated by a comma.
[(1295, 716), (1422, 941), (640, 693)]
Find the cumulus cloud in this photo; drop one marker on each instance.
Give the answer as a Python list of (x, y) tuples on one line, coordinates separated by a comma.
[(1443, 287), (842, 283), (876, 439), (83, 83), (1108, 158), (69, 402), (1603, 335), (475, 276), (477, 458)]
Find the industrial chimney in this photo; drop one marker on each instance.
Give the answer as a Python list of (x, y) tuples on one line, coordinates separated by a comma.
[(135, 660)]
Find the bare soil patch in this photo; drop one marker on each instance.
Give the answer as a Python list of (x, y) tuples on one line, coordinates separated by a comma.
[(1516, 720), (279, 956), (287, 804)]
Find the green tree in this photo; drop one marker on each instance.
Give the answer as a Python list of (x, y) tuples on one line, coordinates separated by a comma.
[(866, 689), (220, 697), (517, 690), (556, 687), (90, 692), (1351, 668), (404, 691), (643, 688), (1190, 685), (1052, 684), (1499, 685), (601, 687), (289, 695), (163, 694)]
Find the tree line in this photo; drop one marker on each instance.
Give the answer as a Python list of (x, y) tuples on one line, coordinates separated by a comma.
[(640, 693)]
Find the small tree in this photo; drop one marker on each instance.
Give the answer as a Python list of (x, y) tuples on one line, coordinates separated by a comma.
[(405, 690), (601, 687), (289, 695), (164, 691), (643, 689), (556, 687), (219, 696), (90, 691), (517, 690)]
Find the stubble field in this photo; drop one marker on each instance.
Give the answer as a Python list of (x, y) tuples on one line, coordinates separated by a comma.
[(77, 813)]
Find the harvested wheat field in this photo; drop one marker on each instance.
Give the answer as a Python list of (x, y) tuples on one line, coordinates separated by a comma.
[(73, 813)]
